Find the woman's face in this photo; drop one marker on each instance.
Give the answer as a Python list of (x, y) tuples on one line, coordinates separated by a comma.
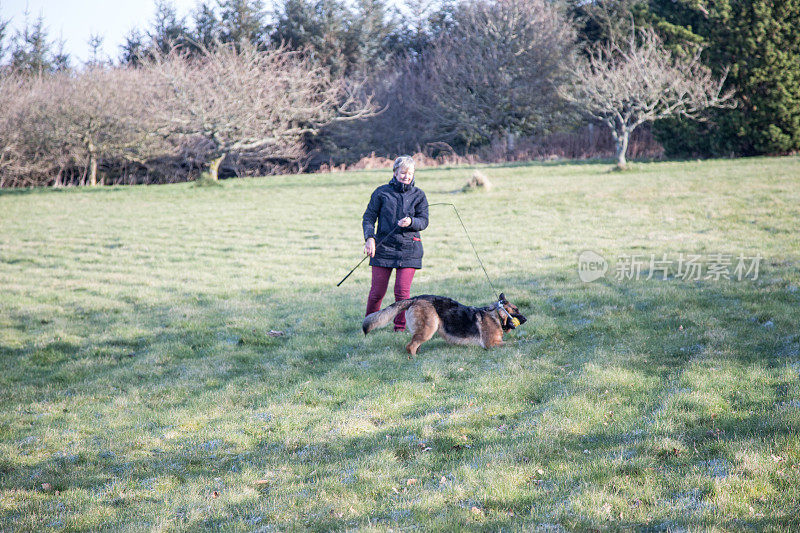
[(405, 174)]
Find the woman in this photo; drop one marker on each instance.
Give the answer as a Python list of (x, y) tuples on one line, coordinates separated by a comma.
[(401, 211)]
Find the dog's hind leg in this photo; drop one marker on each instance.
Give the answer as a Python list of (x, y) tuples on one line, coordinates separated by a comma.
[(418, 338), (423, 326)]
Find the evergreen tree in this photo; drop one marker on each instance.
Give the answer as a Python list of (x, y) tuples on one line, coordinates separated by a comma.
[(61, 59), (420, 23), (207, 31), (319, 26), (352, 40), (134, 48), (32, 51), (243, 20), (169, 31), (760, 42), (3, 30), (95, 50), (370, 35)]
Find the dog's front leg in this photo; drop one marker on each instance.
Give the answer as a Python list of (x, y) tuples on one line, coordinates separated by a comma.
[(411, 348), (491, 333)]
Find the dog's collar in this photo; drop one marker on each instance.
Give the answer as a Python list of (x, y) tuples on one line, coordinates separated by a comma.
[(499, 306), (500, 310)]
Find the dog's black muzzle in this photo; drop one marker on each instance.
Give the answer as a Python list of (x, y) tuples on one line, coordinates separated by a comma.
[(509, 325)]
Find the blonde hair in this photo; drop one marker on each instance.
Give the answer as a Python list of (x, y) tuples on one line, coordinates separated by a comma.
[(404, 161)]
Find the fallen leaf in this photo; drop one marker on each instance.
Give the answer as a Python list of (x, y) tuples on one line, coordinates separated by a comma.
[(215, 494), (476, 511), (411, 481)]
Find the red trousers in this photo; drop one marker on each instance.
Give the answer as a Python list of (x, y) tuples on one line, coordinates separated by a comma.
[(402, 290)]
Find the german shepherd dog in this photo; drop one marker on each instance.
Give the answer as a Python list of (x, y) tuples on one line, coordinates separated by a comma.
[(457, 323)]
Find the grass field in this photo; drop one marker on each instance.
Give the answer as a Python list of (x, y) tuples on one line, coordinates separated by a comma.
[(140, 387)]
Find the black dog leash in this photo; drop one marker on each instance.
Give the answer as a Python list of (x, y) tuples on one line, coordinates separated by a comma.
[(473, 246), (365, 257), (468, 238)]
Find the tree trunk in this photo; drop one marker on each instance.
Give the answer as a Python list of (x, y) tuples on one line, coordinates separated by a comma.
[(90, 148), (92, 170), (511, 142), (622, 148), (213, 167)]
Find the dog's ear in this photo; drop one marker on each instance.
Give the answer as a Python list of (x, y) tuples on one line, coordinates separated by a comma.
[(503, 298)]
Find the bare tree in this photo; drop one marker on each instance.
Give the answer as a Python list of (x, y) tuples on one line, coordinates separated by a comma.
[(109, 116), (641, 81), (244, 100), (29, 148), (60, 128), (497, 73), (489, 72)]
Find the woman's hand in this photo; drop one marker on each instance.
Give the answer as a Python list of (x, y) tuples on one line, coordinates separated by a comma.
[(404, 222), (369, 247)]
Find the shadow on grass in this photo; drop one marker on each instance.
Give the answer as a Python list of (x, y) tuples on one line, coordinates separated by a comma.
[(657, 329)]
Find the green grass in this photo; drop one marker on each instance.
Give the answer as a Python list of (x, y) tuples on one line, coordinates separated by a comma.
[(140, 388)]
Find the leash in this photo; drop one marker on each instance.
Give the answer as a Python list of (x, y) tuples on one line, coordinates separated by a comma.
[(473, 246), (366, 256), (468, 238)]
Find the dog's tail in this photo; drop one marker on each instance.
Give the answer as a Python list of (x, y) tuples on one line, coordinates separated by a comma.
[(378, 319)]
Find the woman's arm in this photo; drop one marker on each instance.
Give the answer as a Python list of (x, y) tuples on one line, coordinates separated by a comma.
[(371, 215), (420, 219)]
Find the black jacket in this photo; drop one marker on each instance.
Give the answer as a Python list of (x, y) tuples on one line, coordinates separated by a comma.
[(388, 204)]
